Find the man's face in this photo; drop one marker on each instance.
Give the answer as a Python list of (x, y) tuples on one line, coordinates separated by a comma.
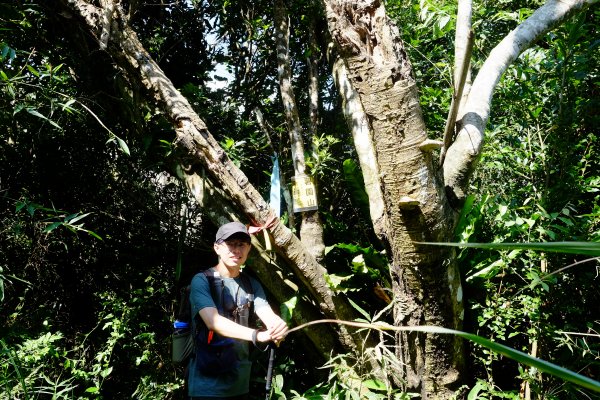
[(233, 252)]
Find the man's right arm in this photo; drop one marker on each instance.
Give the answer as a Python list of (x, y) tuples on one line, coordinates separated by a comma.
[(226, 327)]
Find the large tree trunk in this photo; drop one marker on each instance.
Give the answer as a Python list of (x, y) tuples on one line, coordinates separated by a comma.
[(382, 102), (426, 282)]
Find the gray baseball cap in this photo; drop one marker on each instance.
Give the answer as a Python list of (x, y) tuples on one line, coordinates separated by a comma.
[(232, 228)]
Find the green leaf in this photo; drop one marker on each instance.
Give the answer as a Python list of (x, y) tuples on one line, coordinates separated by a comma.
[(33, 70), (488, 272), (92, 389), (287, 309), (474, 392), (94, 234), (67, 106), (375, 385), (360, 310), (541, 365), (5, 50), (33, 111), (106, 372), (519, 356), (52, 227), (74, 218), (123, 146), (18, 107)]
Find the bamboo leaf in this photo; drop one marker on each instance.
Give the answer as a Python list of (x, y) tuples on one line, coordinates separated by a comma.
[(519, 356), (74, 218), (360, 310), (584, 248), (52, 227), (33, 111), (94, 234), (33, 70)]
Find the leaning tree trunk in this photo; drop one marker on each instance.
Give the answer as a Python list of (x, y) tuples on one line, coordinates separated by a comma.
[(215, 204), (426, 282), (197, 145)]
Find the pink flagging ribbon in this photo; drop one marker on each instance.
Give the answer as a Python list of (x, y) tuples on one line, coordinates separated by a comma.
[(269, 223)]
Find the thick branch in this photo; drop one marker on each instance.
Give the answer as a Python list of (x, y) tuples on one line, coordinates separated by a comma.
[(463, 31), (464, 153), (460, 76), (363, 143)]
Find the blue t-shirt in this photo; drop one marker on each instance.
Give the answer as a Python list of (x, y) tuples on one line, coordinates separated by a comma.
[(235, 382)]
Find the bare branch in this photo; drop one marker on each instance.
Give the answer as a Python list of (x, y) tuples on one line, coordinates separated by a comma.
[(460, 76)]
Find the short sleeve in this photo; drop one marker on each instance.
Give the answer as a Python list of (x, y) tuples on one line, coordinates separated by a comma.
[(200, 296)]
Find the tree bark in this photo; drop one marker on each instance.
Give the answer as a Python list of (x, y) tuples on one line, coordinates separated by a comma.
[(311, 228), (363, 142), (426, 284), (464, 15)]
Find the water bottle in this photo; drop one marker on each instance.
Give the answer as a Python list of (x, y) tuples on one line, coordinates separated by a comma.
[(182, 341)]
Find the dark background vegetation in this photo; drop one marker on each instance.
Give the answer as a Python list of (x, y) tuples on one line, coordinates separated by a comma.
[(88, 303)]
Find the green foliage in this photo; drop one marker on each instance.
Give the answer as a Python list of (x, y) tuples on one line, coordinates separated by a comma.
[(57, 106), (427, 28), (60, 98), (356, 187), (323, 161), (350, 375), (485, 390), (28, 370), (52, 215), (533, 188), (43, 366)]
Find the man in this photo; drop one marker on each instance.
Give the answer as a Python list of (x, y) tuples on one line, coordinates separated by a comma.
[(232, 245)]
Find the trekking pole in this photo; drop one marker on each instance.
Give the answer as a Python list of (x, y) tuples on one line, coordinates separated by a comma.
[(270, 370)]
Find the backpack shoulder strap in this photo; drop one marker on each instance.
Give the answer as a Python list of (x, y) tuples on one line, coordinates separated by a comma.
[(249, 289), (214, 281)]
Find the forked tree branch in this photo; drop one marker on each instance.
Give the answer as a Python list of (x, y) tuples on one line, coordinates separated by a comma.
[(464, 153)]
